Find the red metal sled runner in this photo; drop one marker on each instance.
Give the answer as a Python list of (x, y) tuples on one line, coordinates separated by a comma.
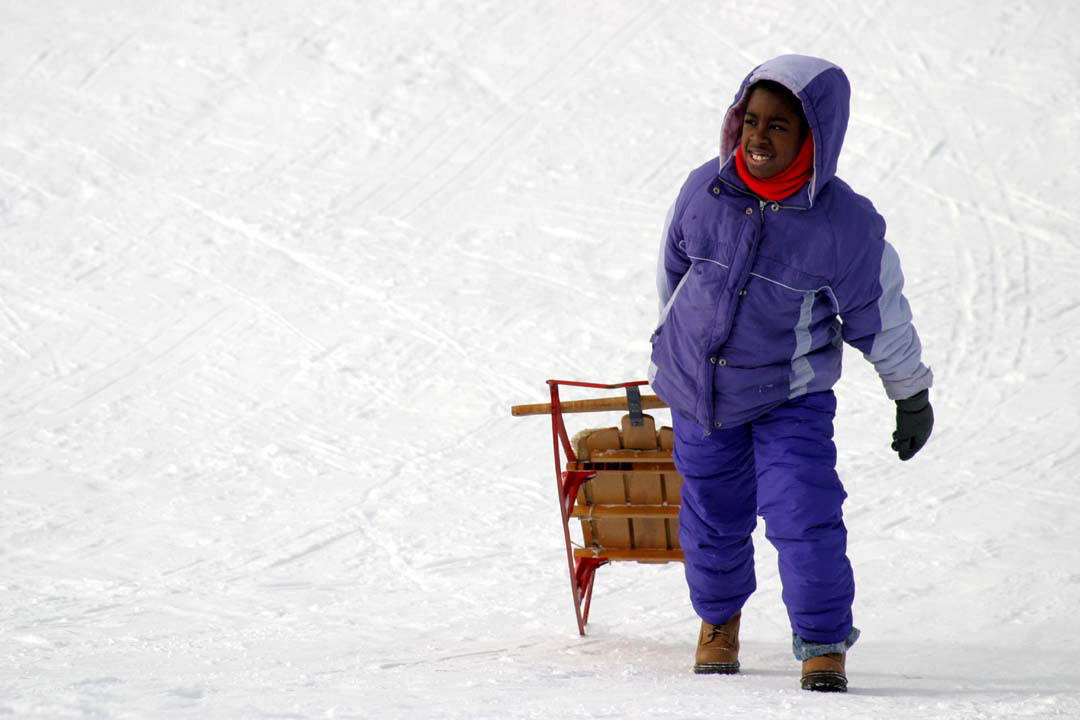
[(619, 482)]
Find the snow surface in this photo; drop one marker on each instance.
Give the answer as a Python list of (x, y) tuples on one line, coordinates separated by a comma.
[(272, 273)]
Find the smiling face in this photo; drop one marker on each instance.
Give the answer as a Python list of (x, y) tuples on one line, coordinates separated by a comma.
[(773, 131)]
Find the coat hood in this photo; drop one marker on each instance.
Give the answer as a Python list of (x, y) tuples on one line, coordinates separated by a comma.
[(825, 94)]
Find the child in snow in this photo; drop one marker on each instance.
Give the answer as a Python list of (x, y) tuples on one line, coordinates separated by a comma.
[(769, 263)]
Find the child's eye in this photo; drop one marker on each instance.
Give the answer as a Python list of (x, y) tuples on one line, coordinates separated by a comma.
[(748, 121), (774, 126)]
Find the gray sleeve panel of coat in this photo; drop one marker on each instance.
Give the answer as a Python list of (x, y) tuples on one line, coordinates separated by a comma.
[(896, 351), (662, 288), (672, 267)]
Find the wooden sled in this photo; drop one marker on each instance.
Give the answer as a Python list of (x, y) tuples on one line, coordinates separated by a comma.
[(619, 482)]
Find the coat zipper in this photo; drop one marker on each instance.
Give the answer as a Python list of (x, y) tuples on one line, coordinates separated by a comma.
[(761, 224), (731, 315)]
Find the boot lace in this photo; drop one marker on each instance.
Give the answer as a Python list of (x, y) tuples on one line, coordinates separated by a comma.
[(718, 631)]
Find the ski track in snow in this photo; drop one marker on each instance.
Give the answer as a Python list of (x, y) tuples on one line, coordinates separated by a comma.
[(271, 276)]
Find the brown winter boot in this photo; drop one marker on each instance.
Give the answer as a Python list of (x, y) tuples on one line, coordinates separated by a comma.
[(718, 647), (824, 673)]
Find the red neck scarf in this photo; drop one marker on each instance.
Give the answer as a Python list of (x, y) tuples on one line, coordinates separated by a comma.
[(784, 183)]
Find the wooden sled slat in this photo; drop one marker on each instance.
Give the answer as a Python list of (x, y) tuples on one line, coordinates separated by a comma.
[(638, 555), (626, 511), (633, 456)]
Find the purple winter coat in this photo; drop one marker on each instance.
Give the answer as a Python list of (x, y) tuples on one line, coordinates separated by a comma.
[(758, 296)]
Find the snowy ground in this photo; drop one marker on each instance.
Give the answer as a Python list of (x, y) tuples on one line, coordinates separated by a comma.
[(271, 274)]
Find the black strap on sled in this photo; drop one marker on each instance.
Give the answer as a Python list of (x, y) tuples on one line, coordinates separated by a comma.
[(633, 403)]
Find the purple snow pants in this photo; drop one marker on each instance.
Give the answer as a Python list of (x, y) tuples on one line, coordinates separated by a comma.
[(781, 466)]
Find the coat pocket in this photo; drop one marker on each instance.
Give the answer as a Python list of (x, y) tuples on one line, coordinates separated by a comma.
[(702, 247), (786, 276)]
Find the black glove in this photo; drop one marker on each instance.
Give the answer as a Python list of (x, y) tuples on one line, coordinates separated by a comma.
[(914, 421)]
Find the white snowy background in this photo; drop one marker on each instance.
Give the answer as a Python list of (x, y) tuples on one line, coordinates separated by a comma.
[(272, 273)]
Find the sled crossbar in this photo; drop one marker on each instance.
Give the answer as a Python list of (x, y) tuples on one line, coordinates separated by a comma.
[(648, 402), (620, 484)]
